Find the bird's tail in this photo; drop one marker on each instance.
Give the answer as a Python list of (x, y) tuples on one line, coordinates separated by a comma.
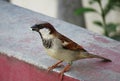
[(88, 55)]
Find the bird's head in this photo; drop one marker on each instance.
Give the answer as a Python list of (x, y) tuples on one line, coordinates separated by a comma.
[(45, 28)]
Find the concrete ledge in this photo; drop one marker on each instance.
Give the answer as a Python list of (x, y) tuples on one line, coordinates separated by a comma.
[(17, 40)]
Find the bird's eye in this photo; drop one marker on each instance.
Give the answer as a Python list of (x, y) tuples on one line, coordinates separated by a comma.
[(36, 25), (42, 25)]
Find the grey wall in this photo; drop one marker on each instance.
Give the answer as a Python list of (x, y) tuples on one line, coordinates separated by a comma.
[(66, 9)]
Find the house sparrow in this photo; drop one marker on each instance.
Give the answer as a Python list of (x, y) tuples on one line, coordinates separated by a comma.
[(61, 48)]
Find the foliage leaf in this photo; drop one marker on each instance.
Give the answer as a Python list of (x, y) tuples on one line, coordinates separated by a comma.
[(84, 10), (111, 27), (116, 37), (107, 8), (112, 4), (98, 23), (115, 3), (93, 1)]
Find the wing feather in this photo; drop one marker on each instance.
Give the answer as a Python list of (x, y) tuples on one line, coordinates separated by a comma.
[(69, 44)]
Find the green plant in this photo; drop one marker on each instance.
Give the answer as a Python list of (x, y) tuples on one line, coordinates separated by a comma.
[(104, 11)]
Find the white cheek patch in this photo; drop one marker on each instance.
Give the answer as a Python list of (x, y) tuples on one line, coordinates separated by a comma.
[(46, 33)]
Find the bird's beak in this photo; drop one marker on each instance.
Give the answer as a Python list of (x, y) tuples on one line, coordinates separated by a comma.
[(34, 28)]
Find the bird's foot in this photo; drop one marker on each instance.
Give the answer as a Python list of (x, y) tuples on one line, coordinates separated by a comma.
[(60, 65), (52, 67), (67, 68), (61, 74), (55, 65)]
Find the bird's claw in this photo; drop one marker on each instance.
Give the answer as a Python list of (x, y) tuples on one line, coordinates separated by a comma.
[(54, 66), (60, 65), (61, 74), (49, 69)]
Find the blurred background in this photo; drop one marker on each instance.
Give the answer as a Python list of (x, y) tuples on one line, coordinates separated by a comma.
[(100, 16)]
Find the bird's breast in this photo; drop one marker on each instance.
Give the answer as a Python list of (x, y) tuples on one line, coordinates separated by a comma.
[(53, 47), (58, 52)]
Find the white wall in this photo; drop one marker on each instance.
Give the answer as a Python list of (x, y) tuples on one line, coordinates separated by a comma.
[(47, 7)]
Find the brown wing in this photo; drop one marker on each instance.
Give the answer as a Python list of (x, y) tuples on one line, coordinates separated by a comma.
[(69, 44)]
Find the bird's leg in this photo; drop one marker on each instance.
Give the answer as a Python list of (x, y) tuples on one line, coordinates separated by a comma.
[(67, 67), (54, 66)]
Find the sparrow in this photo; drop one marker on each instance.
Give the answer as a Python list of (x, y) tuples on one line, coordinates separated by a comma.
[(62, 48)]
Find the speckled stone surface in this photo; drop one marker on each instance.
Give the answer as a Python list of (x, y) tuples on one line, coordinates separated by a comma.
[(17, 40)]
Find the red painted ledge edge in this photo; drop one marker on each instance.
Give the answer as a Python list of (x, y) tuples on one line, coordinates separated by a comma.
[(12, 69)]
